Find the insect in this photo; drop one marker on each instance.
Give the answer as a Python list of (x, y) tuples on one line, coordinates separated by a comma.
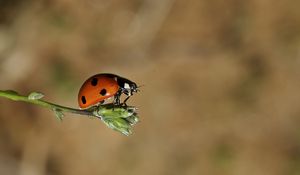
[(98, 88)]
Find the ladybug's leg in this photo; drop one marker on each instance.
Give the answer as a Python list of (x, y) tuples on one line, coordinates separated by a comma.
[(124, 102), (117, 99)]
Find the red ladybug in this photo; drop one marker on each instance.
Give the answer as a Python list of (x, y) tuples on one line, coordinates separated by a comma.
[(100, 87)]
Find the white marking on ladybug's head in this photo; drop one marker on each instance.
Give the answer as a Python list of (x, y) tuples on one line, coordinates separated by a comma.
[(126, 86), (116, 78)]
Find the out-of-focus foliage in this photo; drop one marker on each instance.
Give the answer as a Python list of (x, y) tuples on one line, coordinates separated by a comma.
[(221, 92)]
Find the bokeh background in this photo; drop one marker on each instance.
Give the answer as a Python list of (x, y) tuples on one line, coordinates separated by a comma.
[(221, 92)]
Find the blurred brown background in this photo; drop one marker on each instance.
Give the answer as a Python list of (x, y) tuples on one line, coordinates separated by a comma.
[(221, 92)]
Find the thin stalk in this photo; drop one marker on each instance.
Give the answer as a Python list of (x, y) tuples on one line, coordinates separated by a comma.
[(16, 97), (119, 118)]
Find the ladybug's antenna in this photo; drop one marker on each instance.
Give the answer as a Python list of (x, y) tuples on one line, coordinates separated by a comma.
[(137, 88)]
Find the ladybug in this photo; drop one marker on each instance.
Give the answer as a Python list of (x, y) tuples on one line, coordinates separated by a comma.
[(98, 88)]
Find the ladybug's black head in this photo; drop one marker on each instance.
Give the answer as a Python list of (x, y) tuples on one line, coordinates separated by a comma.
[(130, 87), (127, 86)]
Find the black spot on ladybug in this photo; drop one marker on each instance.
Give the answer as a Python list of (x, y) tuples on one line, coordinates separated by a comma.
[(94, 81), (103, 92), (83, 99)]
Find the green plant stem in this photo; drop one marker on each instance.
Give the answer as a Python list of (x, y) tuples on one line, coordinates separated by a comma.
[(16, 97), (119, 118)]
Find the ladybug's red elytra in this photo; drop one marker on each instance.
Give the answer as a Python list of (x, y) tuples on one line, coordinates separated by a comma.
[(100, 87)]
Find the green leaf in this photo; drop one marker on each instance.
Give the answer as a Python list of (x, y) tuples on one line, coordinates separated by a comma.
[(119, 118), (118, 124), (58, 114), (35, 96), (133, 119)]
